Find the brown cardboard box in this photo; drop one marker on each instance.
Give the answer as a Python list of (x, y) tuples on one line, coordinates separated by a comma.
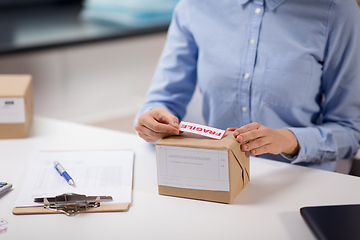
[(196, 167), (16, 105)]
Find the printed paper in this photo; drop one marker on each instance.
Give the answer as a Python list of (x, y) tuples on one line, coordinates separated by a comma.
[(96, 173)]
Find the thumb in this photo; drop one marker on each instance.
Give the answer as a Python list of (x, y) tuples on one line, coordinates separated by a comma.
[(175, 123), (162, 115)]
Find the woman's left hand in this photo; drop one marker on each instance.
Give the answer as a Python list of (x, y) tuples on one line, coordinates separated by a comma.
[(259, 139)]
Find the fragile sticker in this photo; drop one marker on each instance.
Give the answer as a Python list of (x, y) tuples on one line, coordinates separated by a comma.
[(202, 130)]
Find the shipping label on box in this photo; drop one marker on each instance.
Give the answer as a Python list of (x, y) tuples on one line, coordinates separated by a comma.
[(16, 105), (191, 166), (12, 110)]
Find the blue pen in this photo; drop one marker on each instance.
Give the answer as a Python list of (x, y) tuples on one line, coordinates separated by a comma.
[(64, 174)]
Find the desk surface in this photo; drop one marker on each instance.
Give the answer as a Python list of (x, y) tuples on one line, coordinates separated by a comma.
[(267, 208)]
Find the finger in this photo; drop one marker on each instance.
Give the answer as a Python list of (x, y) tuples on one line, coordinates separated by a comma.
[(248, 127), (255, 144), (252, 135), (151, 136), (141, 128), (235, 134), (164, 116), (261, 150), (148, 121), (144, 133)]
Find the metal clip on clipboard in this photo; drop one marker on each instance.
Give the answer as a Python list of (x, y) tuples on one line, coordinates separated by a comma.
[(71, 203)]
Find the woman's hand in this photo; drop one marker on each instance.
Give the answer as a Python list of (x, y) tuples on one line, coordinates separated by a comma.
[(157, 124), (259, 139)]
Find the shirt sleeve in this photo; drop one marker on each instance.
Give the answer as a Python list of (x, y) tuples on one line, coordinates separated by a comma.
[(174, 80), (338, 134)]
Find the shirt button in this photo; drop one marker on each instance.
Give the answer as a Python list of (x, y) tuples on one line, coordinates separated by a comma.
[(258, 10), (246, 75), (252, 41), (244, 109)]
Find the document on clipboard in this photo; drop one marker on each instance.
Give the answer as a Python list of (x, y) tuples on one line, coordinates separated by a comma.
[(96, 173)]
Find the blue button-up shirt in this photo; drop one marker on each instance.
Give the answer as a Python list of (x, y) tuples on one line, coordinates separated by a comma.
[(291, 64)]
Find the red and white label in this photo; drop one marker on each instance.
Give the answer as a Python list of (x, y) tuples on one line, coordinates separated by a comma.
[(202, 130)]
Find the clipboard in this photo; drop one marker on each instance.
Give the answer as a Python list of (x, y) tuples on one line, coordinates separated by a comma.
[(71, 204), (118, 187), (42, 210)]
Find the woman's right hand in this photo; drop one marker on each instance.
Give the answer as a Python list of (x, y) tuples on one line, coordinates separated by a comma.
[(156, 124)]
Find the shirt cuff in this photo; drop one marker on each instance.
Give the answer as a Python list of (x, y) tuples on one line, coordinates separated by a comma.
[(307, 143)]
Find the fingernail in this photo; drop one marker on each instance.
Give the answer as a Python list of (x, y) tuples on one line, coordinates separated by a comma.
[(246, 147), (240, 138)]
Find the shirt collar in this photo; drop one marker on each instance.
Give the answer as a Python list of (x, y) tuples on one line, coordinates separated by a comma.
[(272, 4)]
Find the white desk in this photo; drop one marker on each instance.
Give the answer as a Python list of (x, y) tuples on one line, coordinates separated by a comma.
[(267, 208)]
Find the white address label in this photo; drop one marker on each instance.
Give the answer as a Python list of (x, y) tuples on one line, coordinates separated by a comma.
[(12, 110), (193, 168)]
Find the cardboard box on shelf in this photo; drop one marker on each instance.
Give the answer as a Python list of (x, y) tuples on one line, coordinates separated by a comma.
[(16, 105), (196, 167)]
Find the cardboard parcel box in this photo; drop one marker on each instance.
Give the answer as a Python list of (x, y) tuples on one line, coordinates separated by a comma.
[(192, 166), (16, 105)]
